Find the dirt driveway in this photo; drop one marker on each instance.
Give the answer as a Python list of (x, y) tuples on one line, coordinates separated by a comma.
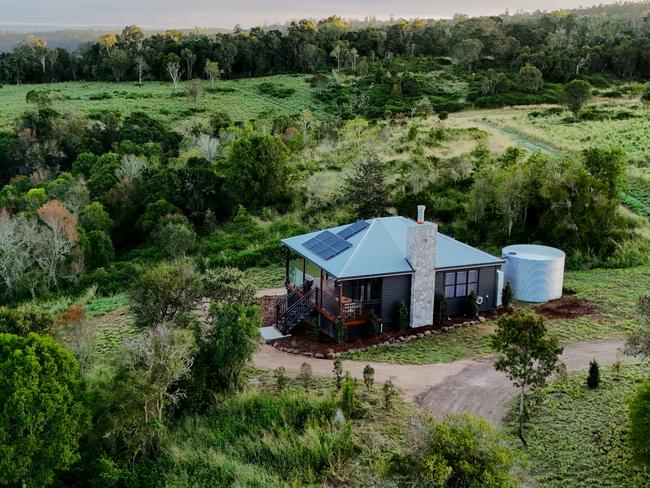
[(468, 385)]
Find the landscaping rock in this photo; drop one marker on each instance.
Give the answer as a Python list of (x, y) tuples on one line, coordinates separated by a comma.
[(420, 335), (318, 355), (331, 355), (427, 332), (308, 354), (482, 319)]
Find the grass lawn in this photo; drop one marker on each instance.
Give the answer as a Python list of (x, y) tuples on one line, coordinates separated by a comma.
[(615, 291), (577, 437), (241, 99)]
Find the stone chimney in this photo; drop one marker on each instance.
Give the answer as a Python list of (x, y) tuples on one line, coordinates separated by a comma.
[(421, 254)]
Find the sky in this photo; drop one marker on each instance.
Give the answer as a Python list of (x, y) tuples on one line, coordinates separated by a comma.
[(227, 13)]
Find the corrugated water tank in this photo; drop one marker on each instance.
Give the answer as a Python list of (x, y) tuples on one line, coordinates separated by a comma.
[(536, 273)]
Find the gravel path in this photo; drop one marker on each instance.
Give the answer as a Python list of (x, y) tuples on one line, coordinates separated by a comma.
[(468, 385)]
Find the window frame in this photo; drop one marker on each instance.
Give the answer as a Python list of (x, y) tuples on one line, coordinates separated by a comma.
[(455, 286)]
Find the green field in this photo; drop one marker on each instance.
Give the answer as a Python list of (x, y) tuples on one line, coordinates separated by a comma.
[(614, 291), (241, 99), (577, 437)]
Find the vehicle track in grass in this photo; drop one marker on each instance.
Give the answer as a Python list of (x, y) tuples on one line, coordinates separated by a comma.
[(468, 385)]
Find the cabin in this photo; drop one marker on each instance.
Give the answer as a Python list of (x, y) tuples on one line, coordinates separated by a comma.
[(373, 268)]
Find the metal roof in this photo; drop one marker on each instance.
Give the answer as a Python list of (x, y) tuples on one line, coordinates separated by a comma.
[(380, 249)]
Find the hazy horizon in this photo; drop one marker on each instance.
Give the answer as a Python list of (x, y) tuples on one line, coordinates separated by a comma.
[(160, 14)]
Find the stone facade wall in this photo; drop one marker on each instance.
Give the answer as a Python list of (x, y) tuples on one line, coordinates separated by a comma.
[(421, 253)]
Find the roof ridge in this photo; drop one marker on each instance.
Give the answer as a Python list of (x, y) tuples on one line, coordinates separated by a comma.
[(357, 247), (467, 245)]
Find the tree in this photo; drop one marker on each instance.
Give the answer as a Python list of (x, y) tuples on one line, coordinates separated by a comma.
[(527, 354), (24, 320), (94, 217), (194, 91), (38, 47), (213, 70), (462, 450), (145, 387), (593, 379), (166, 293), (467, 52), (61, 241), (19, 237), (638, 344), (43, 412), (347, 395), (366, 189), (530, 79), (98, 249), (639, 423), (257, 172), (226, 342), (140, 66), (576, 94), (228, 285), (119, 63), (190, 58), (173, 68), (338, 373)]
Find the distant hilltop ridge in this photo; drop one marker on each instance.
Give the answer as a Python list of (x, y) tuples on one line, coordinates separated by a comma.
[(71, 37)]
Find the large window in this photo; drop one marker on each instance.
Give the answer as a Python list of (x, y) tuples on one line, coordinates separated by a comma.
[(461, 283)]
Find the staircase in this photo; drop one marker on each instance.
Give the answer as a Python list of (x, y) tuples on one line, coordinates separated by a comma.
[(295, 307)]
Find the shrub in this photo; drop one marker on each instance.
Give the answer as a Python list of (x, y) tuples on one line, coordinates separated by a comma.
[(593, 379), (175, 237), (340, 332), (439, 309), (226, 343), (25, 320), (368, 376), (390, 392), (281, 379), (402, 313), (338, 373), (506, 295), (375, 325), (645, 96), (472, 304), (306, 375), (461, 450), (639, 419), (347, 399), (166, 292)]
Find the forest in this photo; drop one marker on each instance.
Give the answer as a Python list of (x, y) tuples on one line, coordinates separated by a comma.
[(146, 180)]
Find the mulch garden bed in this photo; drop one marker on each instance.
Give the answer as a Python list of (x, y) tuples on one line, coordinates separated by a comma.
[(302, 341), (567, 308)]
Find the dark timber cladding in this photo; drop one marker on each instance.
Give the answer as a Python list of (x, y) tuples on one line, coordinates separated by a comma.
[(394, 289), (487, 288)]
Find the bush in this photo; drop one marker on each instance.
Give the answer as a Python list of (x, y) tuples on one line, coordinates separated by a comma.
[(340, 332), (402, 314), (639, 418), (463, 450), (166, 292), (368, 376), (390, 393), (593, 379), (347, 398), (226, 343), (273, 90), (506, 295), (472, 304), (375, 325), (439, 309), (338, 373), (25, 320)]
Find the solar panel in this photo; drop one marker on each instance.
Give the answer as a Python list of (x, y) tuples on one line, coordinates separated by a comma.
[(353, 229), (327, 245)]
